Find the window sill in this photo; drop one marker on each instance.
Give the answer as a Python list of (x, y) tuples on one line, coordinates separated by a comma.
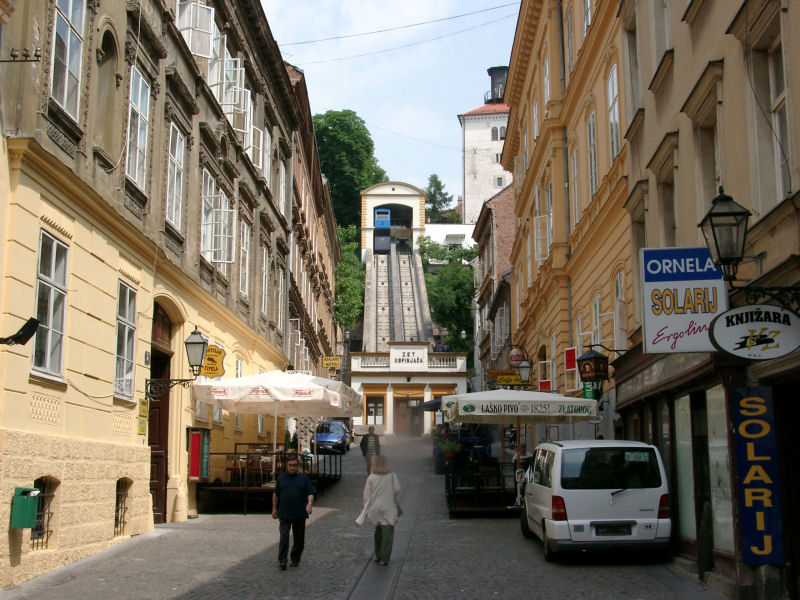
[(55, 382), (124, 402)]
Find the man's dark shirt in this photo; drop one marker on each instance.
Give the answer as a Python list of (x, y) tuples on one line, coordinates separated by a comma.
[(293, 491)]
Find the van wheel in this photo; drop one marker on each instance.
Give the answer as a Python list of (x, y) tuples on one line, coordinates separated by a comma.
[(549, 553), (523, 523)]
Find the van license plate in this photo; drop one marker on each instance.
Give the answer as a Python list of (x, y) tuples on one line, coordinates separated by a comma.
[(612, 530)]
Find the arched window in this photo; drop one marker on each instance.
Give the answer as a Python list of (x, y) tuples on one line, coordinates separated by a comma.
[(494, 134), (121, 505), (502, 133), (40, 534)]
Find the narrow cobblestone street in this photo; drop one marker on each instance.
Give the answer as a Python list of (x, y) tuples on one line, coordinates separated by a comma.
[(234, 556)]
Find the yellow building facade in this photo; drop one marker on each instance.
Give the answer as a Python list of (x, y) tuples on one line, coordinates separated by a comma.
[(146, 191), (571, 255)]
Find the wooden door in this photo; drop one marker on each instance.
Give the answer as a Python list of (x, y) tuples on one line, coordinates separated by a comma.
[(158, 434), (158, 412)]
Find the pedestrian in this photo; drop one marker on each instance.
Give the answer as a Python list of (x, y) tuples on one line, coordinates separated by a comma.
[(291, 503), (381, 507), (370, 447)]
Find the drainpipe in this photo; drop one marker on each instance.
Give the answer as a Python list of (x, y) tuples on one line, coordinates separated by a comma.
[(560, 11)]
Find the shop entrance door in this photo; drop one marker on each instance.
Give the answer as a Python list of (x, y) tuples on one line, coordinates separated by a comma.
[(407, 416)]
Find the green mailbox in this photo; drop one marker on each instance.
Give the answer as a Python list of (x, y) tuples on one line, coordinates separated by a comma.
[(24, 507)]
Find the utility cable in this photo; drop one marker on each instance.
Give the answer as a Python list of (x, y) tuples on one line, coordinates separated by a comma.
[(340, 58), (352, 35)]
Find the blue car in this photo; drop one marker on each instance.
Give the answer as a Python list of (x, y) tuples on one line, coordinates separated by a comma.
[(331, 436)]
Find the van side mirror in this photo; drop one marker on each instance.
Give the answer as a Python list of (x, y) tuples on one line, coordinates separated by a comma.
[(519, 475)]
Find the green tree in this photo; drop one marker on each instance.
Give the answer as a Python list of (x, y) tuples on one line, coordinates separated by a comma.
[(346, 157), (450, 292), (349, 278), (432, 252), (436, 201)]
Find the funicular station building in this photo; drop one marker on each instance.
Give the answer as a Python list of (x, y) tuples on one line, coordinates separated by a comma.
[(399, 368)]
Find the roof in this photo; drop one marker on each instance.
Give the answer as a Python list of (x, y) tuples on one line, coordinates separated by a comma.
[(490, 108)]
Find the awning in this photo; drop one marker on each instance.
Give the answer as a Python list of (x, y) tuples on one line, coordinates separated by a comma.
[(509, 406), (431, 405)]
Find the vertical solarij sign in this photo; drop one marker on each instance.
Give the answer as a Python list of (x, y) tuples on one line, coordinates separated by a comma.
[(683, 291), (757, 468)]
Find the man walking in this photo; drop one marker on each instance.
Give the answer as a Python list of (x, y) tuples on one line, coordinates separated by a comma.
[(370, 446), (291, 502)]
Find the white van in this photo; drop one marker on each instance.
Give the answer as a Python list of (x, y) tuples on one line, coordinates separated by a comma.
[(595, 495)]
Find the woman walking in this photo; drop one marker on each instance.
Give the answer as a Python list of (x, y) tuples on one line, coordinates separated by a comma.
[(381, 506)]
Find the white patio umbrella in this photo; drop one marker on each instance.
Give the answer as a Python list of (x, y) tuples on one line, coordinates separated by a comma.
[(281, 394)]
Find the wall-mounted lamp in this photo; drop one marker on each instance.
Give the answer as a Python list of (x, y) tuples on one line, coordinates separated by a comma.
[(524, 370), (24, 334), (196, 345), (26, 56), (725, 230)]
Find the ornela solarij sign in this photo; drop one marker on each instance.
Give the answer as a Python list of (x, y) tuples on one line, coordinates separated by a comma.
[(756, 331), (683, 292)]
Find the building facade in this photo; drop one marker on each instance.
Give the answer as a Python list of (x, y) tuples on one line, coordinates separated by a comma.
[(147, 190), (483, 131), (711, 92), (494, 234), (571, 254)]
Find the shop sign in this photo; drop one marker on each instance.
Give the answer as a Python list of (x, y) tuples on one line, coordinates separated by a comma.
[(405, 359), (493, 373), (515, 356), (509, 379), (683, 292), (757, 469), (214, 365), (331, 362), (756, 331)]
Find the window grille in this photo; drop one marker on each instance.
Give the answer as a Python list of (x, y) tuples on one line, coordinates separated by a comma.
[(121, 509), (40, 534)]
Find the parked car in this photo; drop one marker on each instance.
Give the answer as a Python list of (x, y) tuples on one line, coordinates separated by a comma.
[(595, 495), (331, 436)]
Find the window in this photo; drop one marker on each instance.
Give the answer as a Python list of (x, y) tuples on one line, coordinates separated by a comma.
[(494, 134), (535, 117), (175, 176), (570, 42), (138, 124), (196, 24), (68, 55), (126, 340), (253, 136), (613, 112), (543, 223), (279, 298), (264, 279), (245, 232), (592, 145), (216, 243), (121, 508), (260, 425), (51, 305), (597, 327), (374, 410), (576, 196), (502, 133), (528, 258), (267, 165), (282, 187), (620, 313), (587, 15), (546, 78), (40, 533), (780, 125), (499, 182)]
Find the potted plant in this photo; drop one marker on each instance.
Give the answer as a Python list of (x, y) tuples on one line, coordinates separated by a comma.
[(449, 447)]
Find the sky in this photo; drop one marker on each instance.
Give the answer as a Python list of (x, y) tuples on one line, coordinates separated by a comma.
[(411, 83)]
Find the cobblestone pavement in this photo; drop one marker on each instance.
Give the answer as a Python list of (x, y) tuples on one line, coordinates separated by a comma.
[(235, 556)]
